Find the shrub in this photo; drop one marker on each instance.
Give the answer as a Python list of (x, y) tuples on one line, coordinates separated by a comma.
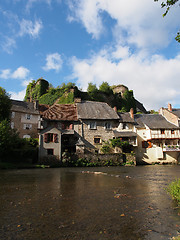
[(174, 190)]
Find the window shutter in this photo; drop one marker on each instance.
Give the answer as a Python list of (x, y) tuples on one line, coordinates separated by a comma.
[(143, 144), (45, 137), (55, 138), (149, 144)]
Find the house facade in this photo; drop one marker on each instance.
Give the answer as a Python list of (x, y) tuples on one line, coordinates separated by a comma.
[(25, 118), (157, 140), (83, 127)]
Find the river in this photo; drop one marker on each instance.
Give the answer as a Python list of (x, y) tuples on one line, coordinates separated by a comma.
[(121, 203)]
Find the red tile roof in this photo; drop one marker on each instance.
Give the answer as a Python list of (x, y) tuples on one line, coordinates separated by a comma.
[(63, 112)]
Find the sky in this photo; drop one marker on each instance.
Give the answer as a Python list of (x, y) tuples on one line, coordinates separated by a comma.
[(83, 41)]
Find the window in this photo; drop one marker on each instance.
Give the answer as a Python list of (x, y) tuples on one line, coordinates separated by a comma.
[(92, 125), (50, 151), (162, 131), (108, 126), (28, 116), (97, 140), (67, 126), (12, 125), (27, 126), (50, 137), (12, 114), (146, 144)]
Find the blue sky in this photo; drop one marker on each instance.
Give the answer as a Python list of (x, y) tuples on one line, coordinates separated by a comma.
[(82, 41)]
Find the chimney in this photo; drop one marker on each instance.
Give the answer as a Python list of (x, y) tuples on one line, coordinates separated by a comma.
[(36, 105), (169, 107), (132, 113), (115, 109)]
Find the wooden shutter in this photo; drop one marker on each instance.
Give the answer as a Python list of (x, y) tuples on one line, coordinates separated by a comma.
[(55, 138), (46, 137), (149, 144)]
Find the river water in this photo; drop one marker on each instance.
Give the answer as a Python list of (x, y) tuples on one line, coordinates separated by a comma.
[(121, 203)]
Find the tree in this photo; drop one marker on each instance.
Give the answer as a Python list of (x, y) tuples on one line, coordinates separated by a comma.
[(168, 4), (5, 105), (104, 87), (92, 88)]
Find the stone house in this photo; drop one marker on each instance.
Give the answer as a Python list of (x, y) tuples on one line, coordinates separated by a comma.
[(171, 114), (157, 139), (25, 118), (126, 129), (81, 127), (97, 122)]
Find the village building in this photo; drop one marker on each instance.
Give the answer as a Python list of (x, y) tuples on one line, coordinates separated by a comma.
[(81, 127), (171, 114), (126, 130), (158, 140), (25, 118)]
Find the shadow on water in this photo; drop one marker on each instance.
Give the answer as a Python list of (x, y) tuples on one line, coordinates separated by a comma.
[(121, 203)]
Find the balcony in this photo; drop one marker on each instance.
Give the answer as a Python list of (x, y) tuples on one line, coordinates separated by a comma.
[(171, 148)]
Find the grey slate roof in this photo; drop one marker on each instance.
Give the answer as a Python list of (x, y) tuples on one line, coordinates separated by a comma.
[(21, 106), (96, 111), (124, 134), (176, 111), (125, 117), (153, 121)]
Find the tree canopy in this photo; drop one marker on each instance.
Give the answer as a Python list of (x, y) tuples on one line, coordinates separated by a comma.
[(167, 5), (5, 104)]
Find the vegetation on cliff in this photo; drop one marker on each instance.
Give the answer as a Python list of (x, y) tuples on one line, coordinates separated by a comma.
[(67, 93)]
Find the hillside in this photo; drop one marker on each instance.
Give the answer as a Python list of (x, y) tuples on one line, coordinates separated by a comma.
[(116, 96)]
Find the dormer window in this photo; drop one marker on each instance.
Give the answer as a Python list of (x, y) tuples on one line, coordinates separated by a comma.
[(92, 125), (108, 125)]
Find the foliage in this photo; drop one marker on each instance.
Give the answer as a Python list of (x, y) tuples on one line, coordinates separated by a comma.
[(174, 190), (106, 148), (66, 98), (5, 105), (129, 101), (36, 89), (65, 93), (124, 145), (104, 87), (168, 4), (13, 148)]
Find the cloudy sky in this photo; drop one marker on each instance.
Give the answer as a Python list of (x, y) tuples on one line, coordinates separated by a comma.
[(82, 41)]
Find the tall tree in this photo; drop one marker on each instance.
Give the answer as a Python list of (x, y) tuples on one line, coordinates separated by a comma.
[(167, 5), (5, 105)]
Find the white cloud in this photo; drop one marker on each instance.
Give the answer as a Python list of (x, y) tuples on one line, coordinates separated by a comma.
[(19, 95), (136, 22), (30, 28), (9, 44), (153, 80), (5, 74), (53, 62), (20, 73)]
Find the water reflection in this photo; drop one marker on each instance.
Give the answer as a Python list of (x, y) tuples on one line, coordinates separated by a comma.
[(127, 203)]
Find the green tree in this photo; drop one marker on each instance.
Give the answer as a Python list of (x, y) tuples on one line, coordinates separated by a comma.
[(104, 87), (92, 91), (167, 5), (5, 105), (128, 101)]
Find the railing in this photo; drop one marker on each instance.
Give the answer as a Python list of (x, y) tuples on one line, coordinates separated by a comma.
[(171, 148)]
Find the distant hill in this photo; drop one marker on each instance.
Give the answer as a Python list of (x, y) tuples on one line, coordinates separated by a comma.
[(116, 96)]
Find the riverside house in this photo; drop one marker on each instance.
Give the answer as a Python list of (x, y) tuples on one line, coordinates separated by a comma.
[(25, 117), (81, 127), (157, 139)]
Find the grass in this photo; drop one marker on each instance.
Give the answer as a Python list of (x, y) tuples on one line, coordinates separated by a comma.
[(7, 165)]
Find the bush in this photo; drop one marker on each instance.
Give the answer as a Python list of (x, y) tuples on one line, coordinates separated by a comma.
[(174, 190)]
